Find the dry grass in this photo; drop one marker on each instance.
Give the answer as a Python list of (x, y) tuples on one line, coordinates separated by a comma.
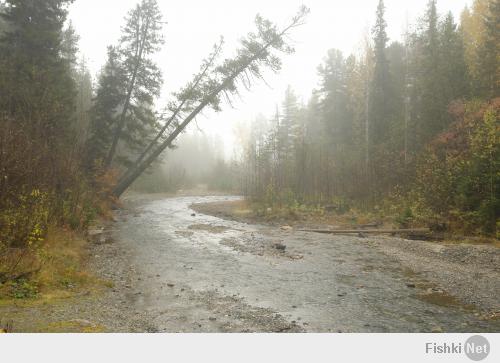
[(61, 271)]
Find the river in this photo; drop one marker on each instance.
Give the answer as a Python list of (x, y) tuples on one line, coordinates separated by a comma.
[(193, 263)]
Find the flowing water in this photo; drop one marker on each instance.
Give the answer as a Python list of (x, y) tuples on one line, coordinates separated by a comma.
[(320, 282)]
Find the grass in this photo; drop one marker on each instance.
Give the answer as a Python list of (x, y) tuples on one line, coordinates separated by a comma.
[(303, 215), (73, 326), (61, 272)]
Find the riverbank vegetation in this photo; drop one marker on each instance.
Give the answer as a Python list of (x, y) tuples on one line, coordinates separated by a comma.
[(403, 129)]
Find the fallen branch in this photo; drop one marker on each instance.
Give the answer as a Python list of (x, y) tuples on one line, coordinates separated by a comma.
[(343, 231)]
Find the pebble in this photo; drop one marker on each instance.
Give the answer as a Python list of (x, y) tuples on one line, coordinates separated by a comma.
[(170, 284), (412, 285)]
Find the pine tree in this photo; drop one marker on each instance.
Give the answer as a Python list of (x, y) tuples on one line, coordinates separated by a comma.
[(84, 98), (38, 79), (105, 110), (379, 93), (452, 69), (489, 52), (431, 113), (69, 46), (473, 29), (141, 38)]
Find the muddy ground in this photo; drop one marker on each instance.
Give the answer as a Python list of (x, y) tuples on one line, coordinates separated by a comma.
[(174, 269)]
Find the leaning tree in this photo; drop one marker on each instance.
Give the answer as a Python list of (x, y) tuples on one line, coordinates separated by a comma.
[(217, 80)]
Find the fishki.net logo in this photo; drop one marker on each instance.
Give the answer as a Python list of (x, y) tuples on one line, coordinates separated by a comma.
[(475, 348)]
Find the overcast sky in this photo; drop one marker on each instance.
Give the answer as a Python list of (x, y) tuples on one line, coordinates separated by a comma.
[(195, 25)]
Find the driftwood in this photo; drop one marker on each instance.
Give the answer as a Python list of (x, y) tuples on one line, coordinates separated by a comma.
[(343, 231)]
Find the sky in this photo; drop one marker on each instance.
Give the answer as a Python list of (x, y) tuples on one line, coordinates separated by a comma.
[(195, 25)]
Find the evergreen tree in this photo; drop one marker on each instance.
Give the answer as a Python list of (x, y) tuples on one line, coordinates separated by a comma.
[(379, 93), (83, 104), (141, 38), (105, 109), (38, 80), (452, 69), (69, 46), (288, 125), (430, 110), (489, 52), (473, 29)]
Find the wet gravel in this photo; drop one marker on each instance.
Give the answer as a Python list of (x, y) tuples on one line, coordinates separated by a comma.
[(313, 282), (470, 273)]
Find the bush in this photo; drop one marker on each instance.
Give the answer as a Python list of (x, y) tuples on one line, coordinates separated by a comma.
[(458, 177)]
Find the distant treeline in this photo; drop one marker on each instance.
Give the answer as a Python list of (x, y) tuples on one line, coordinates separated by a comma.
[(197, 159), (407, 127)]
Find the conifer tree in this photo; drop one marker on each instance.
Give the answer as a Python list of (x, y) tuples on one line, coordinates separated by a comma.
[(379, 93), (141, 38), (489, 52)]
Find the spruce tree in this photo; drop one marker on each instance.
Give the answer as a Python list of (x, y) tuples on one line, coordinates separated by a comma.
[(141, 38), (489, 52), (379, 92), (431, 112), (105, 110), (38, 79)]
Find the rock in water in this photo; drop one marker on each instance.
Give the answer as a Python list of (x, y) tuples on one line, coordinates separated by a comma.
[(279, 246)]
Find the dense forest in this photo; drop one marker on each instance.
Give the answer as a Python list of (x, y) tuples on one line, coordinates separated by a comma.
[(406, 128)]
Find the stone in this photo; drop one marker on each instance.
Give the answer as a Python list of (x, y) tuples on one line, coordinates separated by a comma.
[(279, 246)]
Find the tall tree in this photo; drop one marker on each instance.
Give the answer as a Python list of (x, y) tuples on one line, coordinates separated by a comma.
[(431, 113), (104, 111), (380, 82), (141, 38), (254, 55), (473, 28), (38, 77), (452, 69), (489, 52)]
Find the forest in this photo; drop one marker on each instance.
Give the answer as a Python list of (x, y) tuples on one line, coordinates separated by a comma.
[(407, 128), (402, 128)]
